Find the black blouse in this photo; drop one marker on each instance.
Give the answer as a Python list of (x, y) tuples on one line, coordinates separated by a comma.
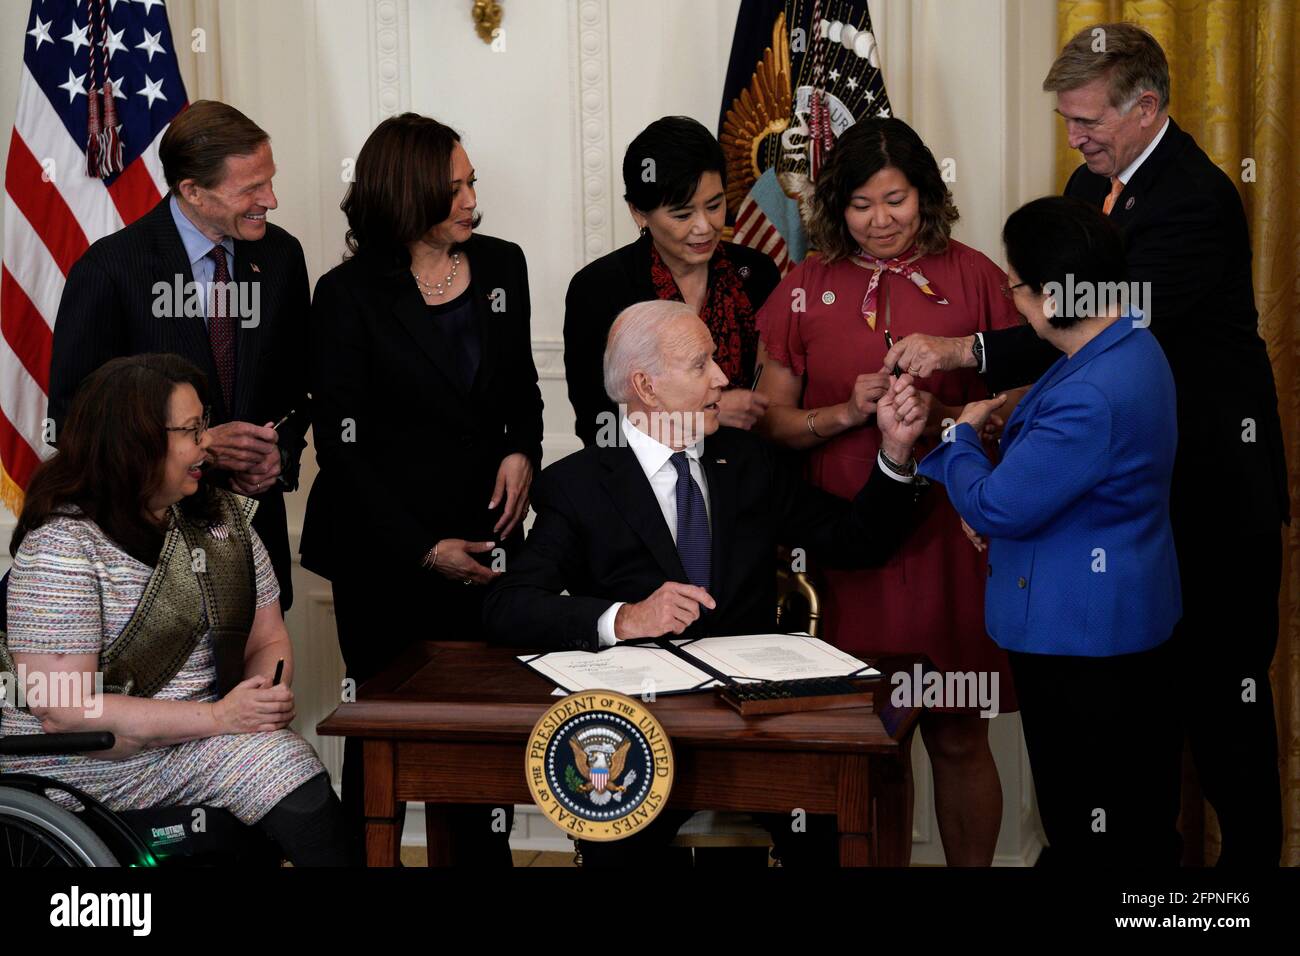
[(454, 324)]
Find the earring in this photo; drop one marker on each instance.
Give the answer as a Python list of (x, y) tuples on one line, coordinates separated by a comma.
[(645, 231)]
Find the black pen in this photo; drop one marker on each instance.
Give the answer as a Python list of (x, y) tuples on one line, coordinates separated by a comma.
[(889, 344), (758, 374), (279, 672)]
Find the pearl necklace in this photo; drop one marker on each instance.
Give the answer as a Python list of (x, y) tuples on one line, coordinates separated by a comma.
[(436, 288)]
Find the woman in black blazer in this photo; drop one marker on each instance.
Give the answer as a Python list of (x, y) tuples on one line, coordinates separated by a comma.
[(673, 177), (426, 415)]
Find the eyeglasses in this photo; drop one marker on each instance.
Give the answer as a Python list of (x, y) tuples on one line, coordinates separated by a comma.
[(1008, 289), (195, 430)]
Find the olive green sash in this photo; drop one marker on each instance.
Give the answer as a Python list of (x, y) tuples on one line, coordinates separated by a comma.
[(200, 569)]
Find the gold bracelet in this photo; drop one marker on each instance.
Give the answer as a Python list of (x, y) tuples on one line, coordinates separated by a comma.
[(811, 416), (431, 557)]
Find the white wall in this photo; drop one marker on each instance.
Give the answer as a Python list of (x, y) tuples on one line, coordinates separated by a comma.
[(545, 121)]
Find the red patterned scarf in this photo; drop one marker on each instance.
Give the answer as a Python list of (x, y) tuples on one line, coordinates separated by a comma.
[(727, 312), (902, 265)]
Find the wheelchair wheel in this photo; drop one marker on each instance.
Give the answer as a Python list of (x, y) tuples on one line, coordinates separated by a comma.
[(35, 831)]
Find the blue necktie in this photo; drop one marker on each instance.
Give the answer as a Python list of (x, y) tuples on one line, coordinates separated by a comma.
[(693, 537)]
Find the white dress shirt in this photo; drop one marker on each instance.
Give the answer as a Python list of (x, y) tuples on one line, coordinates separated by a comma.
[(1132, 167), (653, 457)]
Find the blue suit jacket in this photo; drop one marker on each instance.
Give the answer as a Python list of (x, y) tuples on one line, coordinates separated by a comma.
[(1081, 554)]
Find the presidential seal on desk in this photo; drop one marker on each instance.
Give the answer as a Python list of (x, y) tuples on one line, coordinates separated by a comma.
[(599, 765)]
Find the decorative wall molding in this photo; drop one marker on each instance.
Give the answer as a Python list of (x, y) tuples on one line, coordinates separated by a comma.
[(592, 38), (390, 73), (548, 356)]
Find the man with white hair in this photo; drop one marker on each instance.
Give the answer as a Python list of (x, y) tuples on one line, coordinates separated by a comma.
[(672, 526)]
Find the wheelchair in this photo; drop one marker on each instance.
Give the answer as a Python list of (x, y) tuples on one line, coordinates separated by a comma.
[(37, 831)]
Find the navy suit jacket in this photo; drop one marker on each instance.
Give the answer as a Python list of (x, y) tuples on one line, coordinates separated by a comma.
[(1081, 552), (601, 537)]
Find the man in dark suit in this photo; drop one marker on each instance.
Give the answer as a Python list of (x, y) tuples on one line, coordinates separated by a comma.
[(1188, 248), (204, 275), (673, 527)]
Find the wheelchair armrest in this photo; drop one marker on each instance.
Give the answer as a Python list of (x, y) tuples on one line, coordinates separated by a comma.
[(26, 745)]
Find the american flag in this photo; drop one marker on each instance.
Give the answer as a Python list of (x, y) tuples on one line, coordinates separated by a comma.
[(801, 72), (54, 208)]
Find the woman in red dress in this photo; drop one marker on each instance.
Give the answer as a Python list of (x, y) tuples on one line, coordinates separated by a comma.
[(887, 266)]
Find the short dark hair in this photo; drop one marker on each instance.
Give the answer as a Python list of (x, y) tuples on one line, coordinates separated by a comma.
[(401, 186), (864, 149), (1054, 237), (681, 151), (201, 138), (110, 455)]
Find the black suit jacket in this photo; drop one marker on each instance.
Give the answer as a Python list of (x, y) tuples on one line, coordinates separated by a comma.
[(110, 308), (600, 535), (408, 456), (604, 288), (1185, 232)]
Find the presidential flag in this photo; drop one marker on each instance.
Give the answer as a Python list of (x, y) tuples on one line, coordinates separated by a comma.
[(801, 72), (100, 82)]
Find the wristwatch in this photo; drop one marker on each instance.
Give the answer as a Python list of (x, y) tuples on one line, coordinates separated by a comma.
[(977, 349), (906, 471)]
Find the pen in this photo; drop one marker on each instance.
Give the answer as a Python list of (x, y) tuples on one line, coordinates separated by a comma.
[(758, 374), (889, 344), (276, 426), (279, 672)]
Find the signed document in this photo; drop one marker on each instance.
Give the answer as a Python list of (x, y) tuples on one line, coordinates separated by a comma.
[(766, 657), (632, 669)]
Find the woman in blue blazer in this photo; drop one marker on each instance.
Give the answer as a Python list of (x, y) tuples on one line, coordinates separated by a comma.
[(1083, 586)]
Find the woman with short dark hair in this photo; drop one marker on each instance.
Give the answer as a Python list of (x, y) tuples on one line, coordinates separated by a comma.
[(426, 416), (1082, 587), (886, 265), (129, 569), (674, 180)]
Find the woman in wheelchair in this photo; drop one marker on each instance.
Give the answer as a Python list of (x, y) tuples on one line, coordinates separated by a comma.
[(142, 603)]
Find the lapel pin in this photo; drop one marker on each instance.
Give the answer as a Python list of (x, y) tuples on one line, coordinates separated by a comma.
[(719, 461), (828, 298), (1129, 204), (744, 272)]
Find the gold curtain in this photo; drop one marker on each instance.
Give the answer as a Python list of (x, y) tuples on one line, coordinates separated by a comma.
[(1234, 76)]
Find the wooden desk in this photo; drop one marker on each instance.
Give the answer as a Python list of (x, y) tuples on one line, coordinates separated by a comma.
[(448, 723)]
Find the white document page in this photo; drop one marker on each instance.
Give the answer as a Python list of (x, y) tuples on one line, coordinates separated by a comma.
[(775, 657), (627, 669)]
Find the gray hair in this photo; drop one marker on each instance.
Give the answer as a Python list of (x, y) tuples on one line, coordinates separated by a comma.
[(1126, 55), (633, 344)]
